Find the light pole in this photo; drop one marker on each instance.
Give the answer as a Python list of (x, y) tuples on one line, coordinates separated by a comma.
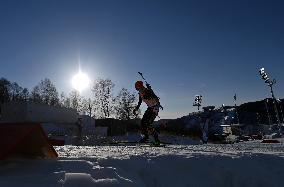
[(268, 115), (270, 83), (197, 101), (281, 111), (237, 115)]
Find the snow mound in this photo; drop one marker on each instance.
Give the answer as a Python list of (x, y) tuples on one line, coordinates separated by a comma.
[(52, 173)]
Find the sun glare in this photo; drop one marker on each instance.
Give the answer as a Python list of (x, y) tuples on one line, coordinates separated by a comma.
[(80, 81)]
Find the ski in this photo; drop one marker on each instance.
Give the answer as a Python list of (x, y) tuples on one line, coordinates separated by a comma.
[(122, 143), (136, 143), (152, 145)]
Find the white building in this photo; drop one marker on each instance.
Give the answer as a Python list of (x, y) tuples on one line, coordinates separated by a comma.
[(18, 112), (57, 122)]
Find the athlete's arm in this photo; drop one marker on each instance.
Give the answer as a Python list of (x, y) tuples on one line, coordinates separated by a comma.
[(138, 106)]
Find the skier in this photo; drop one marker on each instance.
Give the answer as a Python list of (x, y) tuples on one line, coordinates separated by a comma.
[(148, 96)]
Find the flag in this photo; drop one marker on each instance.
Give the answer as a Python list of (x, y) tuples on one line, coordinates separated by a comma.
[(235, 97)]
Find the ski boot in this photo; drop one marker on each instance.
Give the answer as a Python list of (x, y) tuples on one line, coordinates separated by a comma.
[(145, 139), (157, 141)]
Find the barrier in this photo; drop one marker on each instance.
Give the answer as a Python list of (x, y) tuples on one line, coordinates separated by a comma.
[(24, 140)]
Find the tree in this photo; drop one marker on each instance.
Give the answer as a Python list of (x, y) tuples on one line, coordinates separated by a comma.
[(45, 92), (16, 91), (78, 102), (103, 101), (86, 107), (36, 95), (25, 94), (125, 102), (75, 100), (4, 90), (64, 100)]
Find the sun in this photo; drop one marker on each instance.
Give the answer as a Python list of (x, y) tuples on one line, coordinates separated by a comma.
[(80, 81)]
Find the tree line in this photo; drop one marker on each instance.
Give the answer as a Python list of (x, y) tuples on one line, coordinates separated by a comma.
[(102, 104)]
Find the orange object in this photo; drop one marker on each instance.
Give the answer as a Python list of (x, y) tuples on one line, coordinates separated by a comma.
[(24, 140), (56, 142)]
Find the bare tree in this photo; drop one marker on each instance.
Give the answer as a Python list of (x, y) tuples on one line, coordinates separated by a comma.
[(86, 106), (4, 90), (64, 100), (15, 91), (24, 94), (125, 102), (35, 95), (45, 92), (103, 101), (75, 100)]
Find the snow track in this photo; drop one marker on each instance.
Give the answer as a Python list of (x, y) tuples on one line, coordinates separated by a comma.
[(243, 164)]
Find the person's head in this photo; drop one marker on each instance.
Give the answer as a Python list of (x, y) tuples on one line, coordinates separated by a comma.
[(139, 85)]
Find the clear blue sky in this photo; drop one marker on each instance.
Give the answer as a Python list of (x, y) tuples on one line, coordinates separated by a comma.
[(183, 47)]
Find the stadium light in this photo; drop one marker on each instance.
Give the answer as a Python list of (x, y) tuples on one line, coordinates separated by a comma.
[(197, 101), (270, 83)]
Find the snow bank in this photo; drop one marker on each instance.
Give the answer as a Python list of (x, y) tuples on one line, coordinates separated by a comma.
[(210, 171), (52, 173)]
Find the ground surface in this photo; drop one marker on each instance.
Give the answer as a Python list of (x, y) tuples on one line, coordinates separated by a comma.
[(242, 164)]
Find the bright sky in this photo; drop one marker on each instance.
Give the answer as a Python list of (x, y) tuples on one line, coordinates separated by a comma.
[(213, 48)]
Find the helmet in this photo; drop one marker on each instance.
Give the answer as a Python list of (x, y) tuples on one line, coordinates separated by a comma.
[(138, 84)]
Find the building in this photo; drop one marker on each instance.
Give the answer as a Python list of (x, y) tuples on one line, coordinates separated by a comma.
[(19, 112)]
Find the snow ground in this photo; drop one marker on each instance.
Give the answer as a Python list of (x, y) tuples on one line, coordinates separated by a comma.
[(243, 164)]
